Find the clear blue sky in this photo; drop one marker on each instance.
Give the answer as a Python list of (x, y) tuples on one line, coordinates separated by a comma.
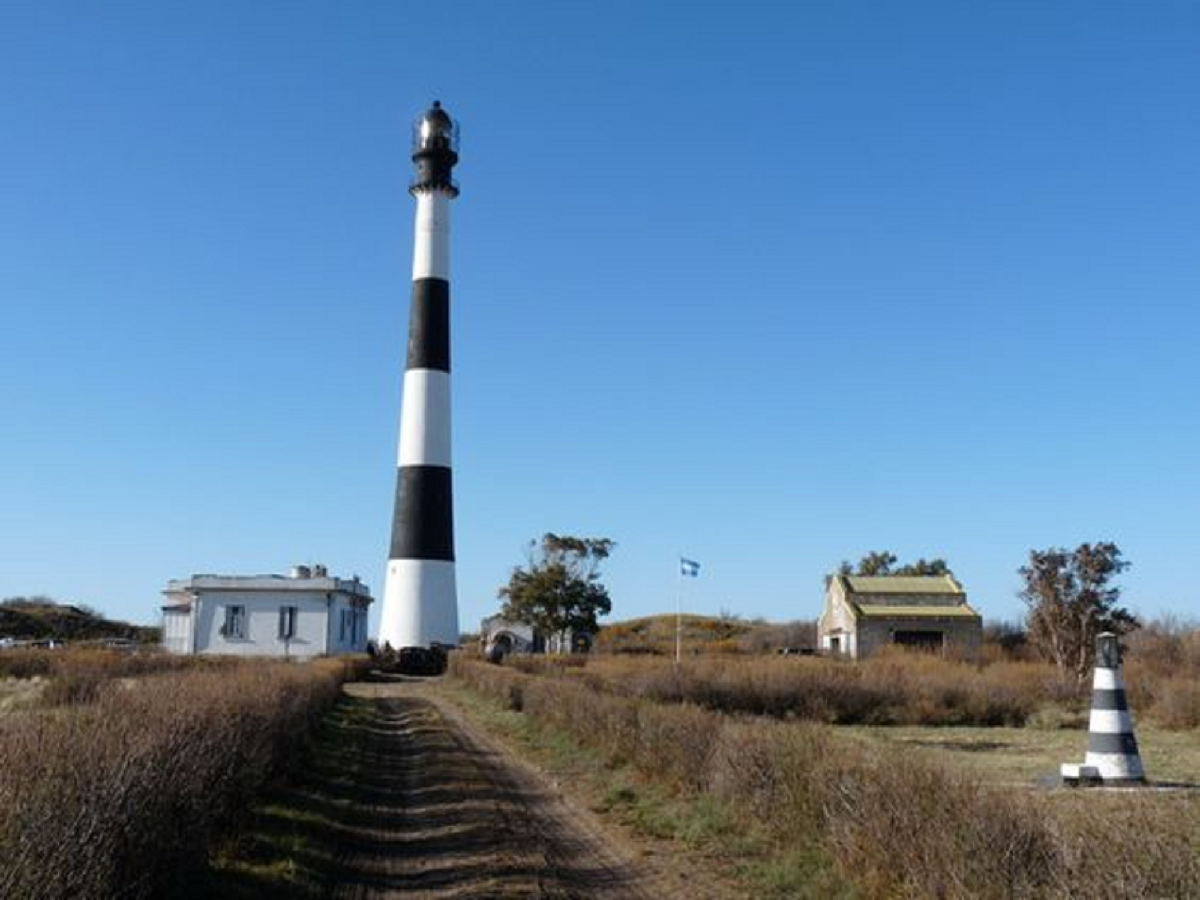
[(769, 284)]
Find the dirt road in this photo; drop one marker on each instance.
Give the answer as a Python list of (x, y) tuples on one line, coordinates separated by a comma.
[(438, 809)]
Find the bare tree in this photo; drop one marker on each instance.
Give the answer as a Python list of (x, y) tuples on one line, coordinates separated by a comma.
[(1071, 599)]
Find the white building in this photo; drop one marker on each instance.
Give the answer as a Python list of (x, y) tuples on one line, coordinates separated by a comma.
[(307, 613), (517, 637)]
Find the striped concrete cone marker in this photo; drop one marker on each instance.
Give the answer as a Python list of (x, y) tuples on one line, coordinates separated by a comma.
[(420, 602), (1112, 756)]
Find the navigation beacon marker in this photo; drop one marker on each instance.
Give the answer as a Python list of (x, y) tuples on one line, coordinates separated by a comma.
[(420, 602), (1112, 754)]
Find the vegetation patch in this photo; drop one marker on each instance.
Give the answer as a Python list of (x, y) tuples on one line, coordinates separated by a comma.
[(282, 847), (835, 807), (43, 619), (712, 829), (120, 791)]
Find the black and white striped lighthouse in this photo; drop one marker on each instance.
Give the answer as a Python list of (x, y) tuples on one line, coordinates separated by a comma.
[(420, 602), (1112, 746), (1112, 754)]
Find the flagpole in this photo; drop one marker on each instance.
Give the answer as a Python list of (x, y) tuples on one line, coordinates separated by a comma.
[(679, 612)]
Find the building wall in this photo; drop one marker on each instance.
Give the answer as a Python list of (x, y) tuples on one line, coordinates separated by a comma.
[(836, 621), (961, 636), (262, 624), (177, 631), (347, 625)]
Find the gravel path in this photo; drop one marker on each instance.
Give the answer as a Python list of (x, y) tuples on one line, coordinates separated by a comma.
[(446, 812)]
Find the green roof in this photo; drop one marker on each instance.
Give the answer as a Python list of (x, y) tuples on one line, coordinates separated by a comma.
[(878, 611), (893, 584)]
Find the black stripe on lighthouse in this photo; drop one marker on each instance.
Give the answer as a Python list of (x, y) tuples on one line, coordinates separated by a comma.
[(1110, 700), (429, 325), (1124, 743), (423, 527)]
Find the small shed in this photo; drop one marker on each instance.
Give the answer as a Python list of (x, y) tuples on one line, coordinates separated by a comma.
[(506, 637), (863, 614)]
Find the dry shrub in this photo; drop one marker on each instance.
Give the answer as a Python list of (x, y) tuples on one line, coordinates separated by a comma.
[(1129, 844), (1166, 648), (893, 689), (538, 664), (1162, 673), (914, 829), (676, 740), (27, 663), (897, 687), (773, 637), (76, 674), (1170, 698), (1177, 704), (896, 824), (120, 797), (779, 773)]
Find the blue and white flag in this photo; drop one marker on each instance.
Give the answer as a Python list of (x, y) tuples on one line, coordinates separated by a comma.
[(688, 568)]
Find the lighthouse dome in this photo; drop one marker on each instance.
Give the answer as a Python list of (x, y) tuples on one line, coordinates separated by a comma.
[(435, 130)]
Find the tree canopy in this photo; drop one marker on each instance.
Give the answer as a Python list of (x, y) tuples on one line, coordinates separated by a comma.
[(1071, 600), (559, 589), (883, 562)]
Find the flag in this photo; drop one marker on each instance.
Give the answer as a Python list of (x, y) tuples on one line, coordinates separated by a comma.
[(688, 568)]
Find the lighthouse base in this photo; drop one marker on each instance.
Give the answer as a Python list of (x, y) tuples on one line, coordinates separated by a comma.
[(420, 605), (420, 661)]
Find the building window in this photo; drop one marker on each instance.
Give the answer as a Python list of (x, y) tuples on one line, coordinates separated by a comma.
[(235, 622), (929, 641), (287, 622)]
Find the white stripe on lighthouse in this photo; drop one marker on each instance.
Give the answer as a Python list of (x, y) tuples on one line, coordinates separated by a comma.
[(431, 250), (415, 595), (425, 419), (1116, 766), (1106, 680), (1110, 721)]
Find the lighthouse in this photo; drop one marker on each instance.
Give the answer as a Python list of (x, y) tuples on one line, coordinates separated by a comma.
[(420, 601)]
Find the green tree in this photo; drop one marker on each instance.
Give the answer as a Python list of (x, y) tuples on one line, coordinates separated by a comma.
[(559, 589), (880, 563), (1071, 599), (923, 567)]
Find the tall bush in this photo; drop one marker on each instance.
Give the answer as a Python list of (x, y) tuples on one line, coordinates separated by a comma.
[(118, 798)]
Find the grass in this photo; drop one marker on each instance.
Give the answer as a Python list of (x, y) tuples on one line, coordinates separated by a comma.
[(282, 847), (1029, 755), (715, 835), (896, 820), (20, 693)]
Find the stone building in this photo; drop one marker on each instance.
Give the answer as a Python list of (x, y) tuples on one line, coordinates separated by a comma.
[(862, 615)]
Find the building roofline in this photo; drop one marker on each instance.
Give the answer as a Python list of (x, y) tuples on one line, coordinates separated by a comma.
[(900, 584), (881, 611), (249, 583)]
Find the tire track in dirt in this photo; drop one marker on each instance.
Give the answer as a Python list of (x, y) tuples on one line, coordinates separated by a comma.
[(441, 811)]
